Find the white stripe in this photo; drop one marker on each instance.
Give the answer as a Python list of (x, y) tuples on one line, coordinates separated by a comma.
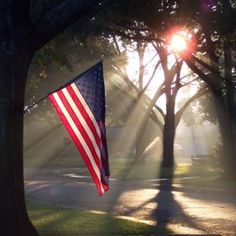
[(86, 107), (83, 122), (79, 136)]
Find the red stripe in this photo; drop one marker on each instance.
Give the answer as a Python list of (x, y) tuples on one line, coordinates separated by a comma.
[(80, 127), (104, 181), (103, 176), (77, 143), (84, 113)]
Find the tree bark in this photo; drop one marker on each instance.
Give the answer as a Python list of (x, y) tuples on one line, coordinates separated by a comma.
[(169, 132), (15, 58), (14, 219), (230, 87), (225, 123), (225, 109)]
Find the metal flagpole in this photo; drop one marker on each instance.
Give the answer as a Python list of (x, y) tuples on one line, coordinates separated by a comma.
[(28, 108)]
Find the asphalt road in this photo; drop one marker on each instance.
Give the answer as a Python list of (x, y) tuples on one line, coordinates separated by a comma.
[(184, 209)]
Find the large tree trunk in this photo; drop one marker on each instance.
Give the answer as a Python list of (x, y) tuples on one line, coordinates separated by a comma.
[(226, 128), (15, 58), (14, 219), (169, 133), (225, 108), (230, 98)]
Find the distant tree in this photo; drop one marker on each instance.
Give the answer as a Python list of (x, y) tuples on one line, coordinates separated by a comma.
[(204, 110), (213, 23), (169, 119), (139, 85), (173, 82)]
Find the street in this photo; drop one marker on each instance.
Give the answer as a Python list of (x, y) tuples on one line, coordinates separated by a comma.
[(183, 209)]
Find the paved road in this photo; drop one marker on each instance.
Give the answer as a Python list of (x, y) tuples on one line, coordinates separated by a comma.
[(184, 209)]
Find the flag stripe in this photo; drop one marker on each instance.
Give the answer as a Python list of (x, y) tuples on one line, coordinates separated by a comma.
[(68, 97), (90, 119), (86, 107), (85, 129), (80, 128), (80, 142), (79, 146)]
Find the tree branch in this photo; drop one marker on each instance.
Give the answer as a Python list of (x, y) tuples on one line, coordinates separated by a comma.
[(56, 20), (126, 79), (156, 120), (207, 66), (116, 44), (152, 76), (180, 112), (189, 82), (160, 111), (212, 83), (151, 60), (133, 35)]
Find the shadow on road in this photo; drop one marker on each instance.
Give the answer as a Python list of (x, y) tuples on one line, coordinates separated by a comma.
[(168, 209)]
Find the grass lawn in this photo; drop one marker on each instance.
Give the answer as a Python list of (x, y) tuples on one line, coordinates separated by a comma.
[(212, 182), (151, 169), (68, 222)]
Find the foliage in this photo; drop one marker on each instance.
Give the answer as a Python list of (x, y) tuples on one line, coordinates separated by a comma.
[(201, 110), (41, 7), (206, 108), (63, 54)]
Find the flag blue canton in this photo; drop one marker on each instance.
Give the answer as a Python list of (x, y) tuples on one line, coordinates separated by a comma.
[(91, 86)]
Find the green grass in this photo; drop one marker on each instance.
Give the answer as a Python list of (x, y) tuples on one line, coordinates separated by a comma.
[(68, 222), (57, 161), (124, 168), (149, 169), (215, 181)]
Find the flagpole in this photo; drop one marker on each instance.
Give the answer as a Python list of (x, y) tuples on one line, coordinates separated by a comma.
[(28, 108)]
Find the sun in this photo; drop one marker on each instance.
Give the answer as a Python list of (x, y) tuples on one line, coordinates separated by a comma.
[(178, 43), (181, 41)]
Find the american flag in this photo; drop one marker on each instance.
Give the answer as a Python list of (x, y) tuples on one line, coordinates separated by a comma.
[(81, 107)]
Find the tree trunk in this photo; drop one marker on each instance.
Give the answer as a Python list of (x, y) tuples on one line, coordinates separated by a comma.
[(225, 123), (14, 219), (169, 133), (15, 58), (230, 87)]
